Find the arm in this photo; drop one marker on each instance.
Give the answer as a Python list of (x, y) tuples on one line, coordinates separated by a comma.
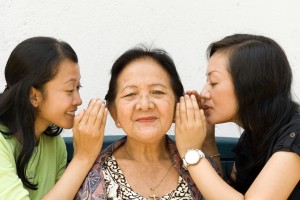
[(277, 179), (209, 146), (11, 186), (88, 138)]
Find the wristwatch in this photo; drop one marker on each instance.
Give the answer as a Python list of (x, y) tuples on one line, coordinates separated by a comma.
[(192, 157)]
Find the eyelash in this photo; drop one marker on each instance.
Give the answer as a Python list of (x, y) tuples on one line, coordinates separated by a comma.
[(77, 88), (155, 92), (129, 95)]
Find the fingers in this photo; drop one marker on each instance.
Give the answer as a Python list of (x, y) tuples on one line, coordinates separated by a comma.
[(190, 112), (188, 109), (203, 119), (94, 113), (97, 115), (177, 114), (101, 117), (197, 114), (182, 110), (78, 118), (190, 92), (196, 94), (88, 111)]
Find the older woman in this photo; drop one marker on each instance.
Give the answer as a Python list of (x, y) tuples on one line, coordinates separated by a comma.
[(142, 96)]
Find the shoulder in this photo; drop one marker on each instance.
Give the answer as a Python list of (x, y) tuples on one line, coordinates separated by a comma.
[(8, 144), (94, 183), (50, 145), (288, 137), (53, 140), (6, 147)]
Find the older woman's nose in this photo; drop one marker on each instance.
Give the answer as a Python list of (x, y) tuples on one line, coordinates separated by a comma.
[(144, 102)]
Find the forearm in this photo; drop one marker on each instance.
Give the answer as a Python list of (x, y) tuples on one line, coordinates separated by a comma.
[(71, 180), (211, 185), (210, 148)]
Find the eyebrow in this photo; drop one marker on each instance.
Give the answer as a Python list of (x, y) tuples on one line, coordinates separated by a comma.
[(71, 80), (209, 73), (152, 85)]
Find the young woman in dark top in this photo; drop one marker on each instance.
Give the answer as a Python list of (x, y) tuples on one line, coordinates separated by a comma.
[(249, 83)]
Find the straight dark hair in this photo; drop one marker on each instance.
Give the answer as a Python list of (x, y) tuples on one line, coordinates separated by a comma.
[(32, 63), (158, 55), (262, 79)]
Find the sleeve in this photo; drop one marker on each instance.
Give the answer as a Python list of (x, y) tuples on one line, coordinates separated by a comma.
[(93, 186), (62, 157), (289, 141), (11, 186)]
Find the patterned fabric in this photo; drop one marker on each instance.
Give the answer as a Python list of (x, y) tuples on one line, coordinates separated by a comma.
[(118, 188), (93, 187)]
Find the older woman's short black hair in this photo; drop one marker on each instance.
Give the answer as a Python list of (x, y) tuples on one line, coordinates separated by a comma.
[(158, 55)]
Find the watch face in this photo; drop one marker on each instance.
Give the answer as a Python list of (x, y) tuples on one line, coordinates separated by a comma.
[(192, 157)]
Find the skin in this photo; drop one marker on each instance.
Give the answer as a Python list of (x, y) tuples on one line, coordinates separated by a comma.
[(218, 98), (278, 177), (57, 105), (144, 109)]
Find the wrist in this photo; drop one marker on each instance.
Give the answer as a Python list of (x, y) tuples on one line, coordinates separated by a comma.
[(192, 157), (83, 160)]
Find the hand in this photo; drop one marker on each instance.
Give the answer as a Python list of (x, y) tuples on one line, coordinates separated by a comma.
[(190, 125), (196, 94), (210, 133), (88, 131)]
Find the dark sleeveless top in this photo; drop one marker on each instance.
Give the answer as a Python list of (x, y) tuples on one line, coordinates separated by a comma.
[(286, 139)]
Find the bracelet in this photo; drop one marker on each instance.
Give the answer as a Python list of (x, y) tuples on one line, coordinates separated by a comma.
[(216, 155)]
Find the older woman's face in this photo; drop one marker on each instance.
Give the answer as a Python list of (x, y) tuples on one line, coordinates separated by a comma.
[(218, 97), (145, 102)]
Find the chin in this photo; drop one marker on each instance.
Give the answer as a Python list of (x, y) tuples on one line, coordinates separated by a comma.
[(66, 125), (211, 120)]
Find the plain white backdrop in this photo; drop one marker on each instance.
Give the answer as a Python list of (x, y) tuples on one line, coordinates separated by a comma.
[(100, 31)]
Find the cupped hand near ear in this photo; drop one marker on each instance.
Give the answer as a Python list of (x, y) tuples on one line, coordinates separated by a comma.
[(190, 125), (88, 131), (196, 94), (210, 133)]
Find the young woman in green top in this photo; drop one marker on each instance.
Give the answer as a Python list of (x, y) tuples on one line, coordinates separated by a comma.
[(40, 98)]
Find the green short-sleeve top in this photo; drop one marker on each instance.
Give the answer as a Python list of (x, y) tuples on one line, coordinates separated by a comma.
[(46, 166)]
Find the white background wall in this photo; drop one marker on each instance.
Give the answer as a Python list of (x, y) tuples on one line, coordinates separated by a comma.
[(100, 31)]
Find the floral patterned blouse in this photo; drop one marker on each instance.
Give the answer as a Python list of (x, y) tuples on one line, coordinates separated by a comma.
[(95, 184), (118, 188)]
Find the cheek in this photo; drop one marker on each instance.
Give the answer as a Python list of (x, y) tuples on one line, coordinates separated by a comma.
[(167, 108), (124, 111)]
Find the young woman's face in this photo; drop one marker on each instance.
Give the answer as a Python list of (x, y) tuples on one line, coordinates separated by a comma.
[(60, 98), (145, 102), (218, 97)]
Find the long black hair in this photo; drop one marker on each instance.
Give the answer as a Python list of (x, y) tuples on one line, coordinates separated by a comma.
[(262, 79), (32, 63)]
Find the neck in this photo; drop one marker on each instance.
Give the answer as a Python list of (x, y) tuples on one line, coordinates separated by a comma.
[(145, 153)]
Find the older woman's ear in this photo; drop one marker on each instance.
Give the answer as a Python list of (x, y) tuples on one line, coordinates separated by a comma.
[(113, 114)]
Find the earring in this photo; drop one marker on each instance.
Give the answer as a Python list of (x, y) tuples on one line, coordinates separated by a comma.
[(118, 124)]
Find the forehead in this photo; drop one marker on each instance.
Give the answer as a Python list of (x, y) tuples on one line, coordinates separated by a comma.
[(143, 71), (218, 63), (66, 71)]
